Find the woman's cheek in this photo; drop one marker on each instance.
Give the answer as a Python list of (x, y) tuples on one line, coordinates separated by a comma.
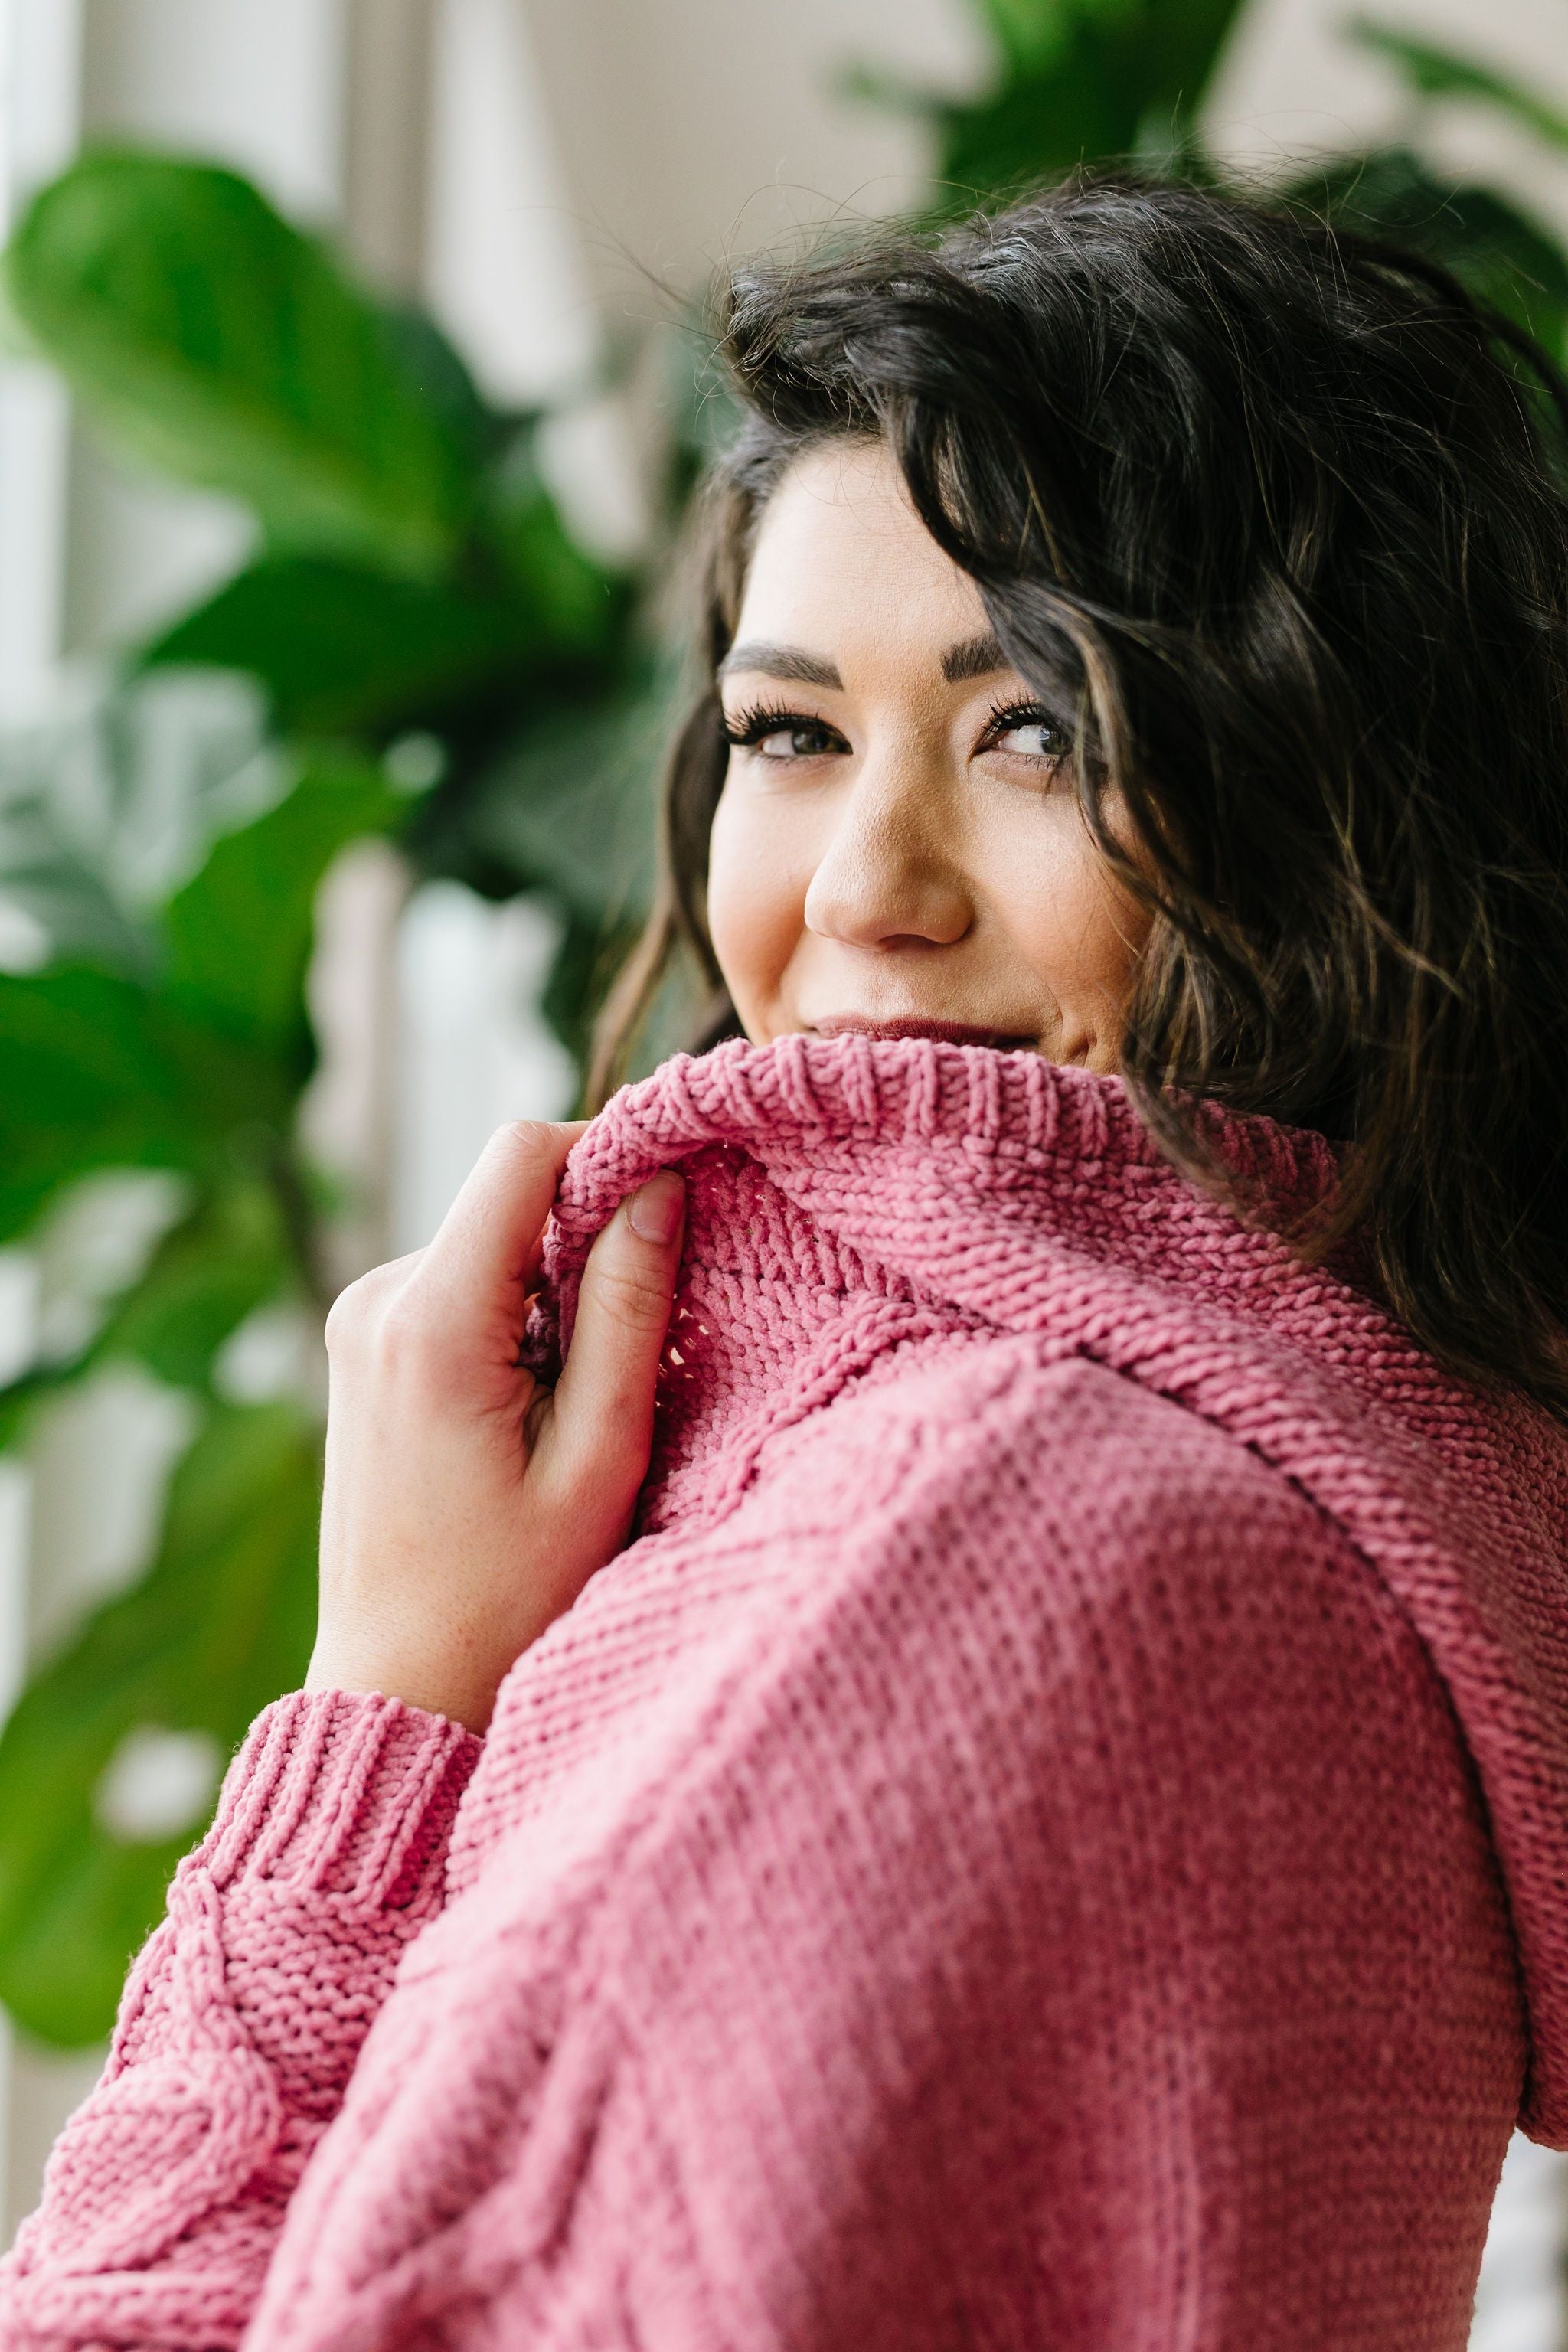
[(756, 899), (1081, 935)]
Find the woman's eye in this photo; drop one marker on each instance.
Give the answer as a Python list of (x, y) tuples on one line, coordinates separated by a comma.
[(792, 742), (783, 737), (1033, 738)]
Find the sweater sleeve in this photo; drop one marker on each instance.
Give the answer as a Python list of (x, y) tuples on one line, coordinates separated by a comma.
[(238, 2028)]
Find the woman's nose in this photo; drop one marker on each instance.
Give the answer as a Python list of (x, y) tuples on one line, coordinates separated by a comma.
[(886, 873)]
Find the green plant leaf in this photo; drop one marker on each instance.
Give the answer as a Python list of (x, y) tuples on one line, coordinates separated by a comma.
[(1077, 81), (221, 345), (568, 806), (20, 1399), (1027, 34), (1036, 126), (340, 647), (78, 916), (433, 363), (578, 604), (220, 1624), (230, 1255), (96, 1071), (239, 933), (109, 800), (1443, 73)]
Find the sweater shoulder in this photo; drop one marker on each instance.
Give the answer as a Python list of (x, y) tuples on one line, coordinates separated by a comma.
[(971, 1554), (1033, 1443)]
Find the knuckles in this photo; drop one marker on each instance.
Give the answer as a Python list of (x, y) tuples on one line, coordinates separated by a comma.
[(384, 1316), (530, 1141), (349, 1315)]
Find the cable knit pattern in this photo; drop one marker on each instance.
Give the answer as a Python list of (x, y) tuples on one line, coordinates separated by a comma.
[(239, 2027), (1053, 1833)]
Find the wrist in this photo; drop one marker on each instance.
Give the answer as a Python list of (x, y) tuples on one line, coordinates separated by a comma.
[(466, 1699)]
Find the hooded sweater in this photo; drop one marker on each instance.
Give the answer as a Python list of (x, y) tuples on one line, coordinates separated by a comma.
[(1055, 1832)]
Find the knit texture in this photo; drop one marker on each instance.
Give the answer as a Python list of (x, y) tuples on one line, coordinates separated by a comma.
[(1054, 1834)]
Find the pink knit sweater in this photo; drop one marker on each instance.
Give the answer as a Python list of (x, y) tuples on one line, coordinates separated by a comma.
[(1055, 1834)]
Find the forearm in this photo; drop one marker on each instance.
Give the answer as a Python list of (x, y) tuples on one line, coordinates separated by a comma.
[(239, 2026)]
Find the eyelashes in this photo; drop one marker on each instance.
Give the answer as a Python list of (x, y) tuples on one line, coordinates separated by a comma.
[(1005, 715), (759, 720), (750, 726)]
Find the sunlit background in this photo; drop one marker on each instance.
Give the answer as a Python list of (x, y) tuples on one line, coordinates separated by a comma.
[(337, 486)]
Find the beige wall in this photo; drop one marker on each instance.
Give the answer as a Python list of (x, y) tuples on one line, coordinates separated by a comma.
[(1293, 81)]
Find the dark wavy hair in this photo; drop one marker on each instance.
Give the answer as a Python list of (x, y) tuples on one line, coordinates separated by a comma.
[(1273, 516)]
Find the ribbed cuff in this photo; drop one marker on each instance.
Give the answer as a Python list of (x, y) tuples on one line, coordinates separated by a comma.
[(343, 1791)]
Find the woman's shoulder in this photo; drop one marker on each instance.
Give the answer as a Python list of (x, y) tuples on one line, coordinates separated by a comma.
[(1038, 1447), (1071, 1633), (1007, 1537)]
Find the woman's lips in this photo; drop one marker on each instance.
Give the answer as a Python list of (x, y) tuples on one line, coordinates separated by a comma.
[(946, 1032)]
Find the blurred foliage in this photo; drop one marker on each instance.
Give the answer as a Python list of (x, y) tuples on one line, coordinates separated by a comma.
[(1073, 81), (213, 1628), (161, 845), (1443, 73)]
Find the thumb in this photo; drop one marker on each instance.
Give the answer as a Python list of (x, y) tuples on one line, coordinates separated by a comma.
[(602, 1416)]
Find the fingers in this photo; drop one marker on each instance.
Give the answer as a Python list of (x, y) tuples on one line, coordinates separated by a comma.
[(487, 1249), (603, 1413)]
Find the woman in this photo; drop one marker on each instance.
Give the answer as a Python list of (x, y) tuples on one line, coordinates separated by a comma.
[(1056, 1830)]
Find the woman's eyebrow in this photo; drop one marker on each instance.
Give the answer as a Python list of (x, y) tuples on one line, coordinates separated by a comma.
[(975, 657), (781, 661), (972, 658)]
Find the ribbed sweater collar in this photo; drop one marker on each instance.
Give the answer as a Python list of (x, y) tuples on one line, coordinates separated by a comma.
[(869, 1095), (953, 1173), (904, 1189)]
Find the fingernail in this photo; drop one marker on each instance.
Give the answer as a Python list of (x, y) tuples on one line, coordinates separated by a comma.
[(654, 1210)]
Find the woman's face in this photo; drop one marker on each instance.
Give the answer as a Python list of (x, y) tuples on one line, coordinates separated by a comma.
[(897, 847)]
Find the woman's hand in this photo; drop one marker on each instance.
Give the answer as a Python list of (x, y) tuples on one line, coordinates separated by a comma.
[(464, 1505)]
